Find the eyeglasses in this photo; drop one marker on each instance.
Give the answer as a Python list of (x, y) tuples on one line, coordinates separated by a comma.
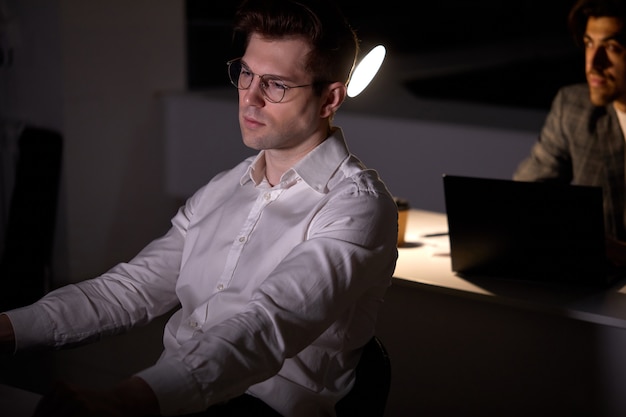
[(273, 88)]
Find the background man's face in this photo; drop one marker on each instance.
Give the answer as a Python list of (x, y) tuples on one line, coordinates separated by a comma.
[(605, 61)]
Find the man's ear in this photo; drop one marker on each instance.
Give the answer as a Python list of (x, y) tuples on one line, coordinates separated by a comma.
[(335, 94)]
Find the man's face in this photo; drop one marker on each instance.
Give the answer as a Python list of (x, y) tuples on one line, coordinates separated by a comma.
[(605, 61), (294, 124)]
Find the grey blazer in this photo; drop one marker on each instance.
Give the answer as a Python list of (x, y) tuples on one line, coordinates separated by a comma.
[(581, 144)]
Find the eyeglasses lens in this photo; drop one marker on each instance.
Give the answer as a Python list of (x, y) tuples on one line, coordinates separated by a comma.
[(273, 88)]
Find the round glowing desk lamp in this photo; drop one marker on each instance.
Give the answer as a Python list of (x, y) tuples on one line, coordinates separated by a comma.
[(365, 70)]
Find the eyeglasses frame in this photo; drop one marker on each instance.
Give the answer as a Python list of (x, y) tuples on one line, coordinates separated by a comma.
[(263, 89)]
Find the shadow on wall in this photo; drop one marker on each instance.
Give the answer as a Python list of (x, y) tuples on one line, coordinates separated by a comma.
[(527, 84)]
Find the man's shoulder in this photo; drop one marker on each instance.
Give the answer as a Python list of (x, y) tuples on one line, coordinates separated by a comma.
[(579, 91), (574, 100), (354, 173), (573, 111)]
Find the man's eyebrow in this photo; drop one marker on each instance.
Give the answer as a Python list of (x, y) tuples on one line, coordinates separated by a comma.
[(617, 37), (284, 78)]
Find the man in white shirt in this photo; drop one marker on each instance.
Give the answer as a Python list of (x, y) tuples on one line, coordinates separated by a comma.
[(280, 264)]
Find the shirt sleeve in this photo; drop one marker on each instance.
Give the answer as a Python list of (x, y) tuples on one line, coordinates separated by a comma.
[(128, 295)]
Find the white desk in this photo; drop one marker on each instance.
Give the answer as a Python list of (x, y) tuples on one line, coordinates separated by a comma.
[(428, 263), (491, 347)]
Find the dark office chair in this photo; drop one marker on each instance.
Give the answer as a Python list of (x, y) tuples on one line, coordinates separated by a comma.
[(25, 264), (368, 396)]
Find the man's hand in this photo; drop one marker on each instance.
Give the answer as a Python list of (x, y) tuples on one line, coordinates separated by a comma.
[(7, 336), (132, 398)]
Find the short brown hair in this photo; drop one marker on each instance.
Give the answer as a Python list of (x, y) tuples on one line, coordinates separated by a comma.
[(334, 44), (584, 9)]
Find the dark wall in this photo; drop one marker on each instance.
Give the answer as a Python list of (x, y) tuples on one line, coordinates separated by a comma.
[(425, 26), (428, 25)]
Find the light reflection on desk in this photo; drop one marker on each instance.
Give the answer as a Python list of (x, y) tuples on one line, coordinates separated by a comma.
[(425, 261)]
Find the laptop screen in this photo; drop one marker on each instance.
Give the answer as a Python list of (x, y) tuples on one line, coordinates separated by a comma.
[(525, 230)]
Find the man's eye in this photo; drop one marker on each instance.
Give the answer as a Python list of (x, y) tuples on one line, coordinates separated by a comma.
[(276, 84)]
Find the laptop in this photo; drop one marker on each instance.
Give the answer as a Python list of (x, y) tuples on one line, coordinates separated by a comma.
[(538, 231)]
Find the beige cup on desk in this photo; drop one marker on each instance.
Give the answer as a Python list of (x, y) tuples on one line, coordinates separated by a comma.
[(403, 214)]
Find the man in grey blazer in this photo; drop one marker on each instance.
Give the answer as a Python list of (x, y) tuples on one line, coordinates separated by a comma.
[(582, 140)]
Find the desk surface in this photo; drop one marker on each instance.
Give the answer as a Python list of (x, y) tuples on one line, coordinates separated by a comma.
[(425, 262)]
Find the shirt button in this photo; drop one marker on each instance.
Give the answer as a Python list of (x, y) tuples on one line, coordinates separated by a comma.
[(242, 239), (267, 196), (220, 287), (193, 323)]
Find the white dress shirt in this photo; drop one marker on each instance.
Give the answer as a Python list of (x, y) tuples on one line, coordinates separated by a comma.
[(278, 287)]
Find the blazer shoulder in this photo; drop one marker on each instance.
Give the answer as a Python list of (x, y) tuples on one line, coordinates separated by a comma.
[(575, 92), (574, 100)]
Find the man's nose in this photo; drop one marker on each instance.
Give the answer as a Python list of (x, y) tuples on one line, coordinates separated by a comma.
[(254, 93), (599, 58)]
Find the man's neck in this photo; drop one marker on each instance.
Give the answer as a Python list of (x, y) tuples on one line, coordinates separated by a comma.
[(278, 161)]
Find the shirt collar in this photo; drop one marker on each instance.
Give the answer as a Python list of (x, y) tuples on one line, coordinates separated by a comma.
[(315, 169)]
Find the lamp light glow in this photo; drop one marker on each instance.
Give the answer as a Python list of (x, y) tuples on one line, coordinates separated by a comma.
[(366, 70)]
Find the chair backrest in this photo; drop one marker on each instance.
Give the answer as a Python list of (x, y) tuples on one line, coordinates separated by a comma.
[(25, 261), (368, 396)]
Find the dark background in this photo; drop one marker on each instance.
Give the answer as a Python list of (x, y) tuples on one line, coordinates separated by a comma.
[(421, 28)]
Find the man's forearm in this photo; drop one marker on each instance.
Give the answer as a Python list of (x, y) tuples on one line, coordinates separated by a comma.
[(7, 336)]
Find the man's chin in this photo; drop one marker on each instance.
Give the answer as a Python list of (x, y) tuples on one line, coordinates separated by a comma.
[(252, 144), (600, 98)]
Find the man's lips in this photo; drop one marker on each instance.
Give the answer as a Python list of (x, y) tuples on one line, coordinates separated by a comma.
[(596, 80), (251, 122)]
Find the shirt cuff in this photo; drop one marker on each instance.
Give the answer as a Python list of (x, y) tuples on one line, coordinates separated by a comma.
[(32, 327), (174, 388)]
